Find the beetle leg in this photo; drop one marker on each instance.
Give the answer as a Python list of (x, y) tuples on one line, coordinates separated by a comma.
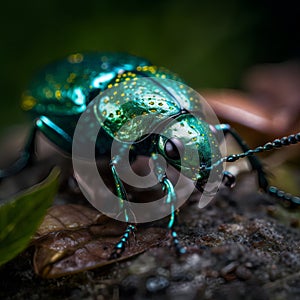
[(50, 129), (124, 208), (171, 199), (254, 161), (121, 245), (228, 179), (25, 157), (292, 201), (124, 204)]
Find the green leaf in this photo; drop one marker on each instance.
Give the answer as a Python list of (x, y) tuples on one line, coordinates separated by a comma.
[(21, 216)]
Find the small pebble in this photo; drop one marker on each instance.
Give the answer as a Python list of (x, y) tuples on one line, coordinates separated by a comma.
[(228, 269), (129, 285), (243, 273), (156, 284)]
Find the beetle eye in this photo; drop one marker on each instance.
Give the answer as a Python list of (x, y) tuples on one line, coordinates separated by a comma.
[(173, 148)]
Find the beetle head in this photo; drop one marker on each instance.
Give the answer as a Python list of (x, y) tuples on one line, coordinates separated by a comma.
[(187, 143)]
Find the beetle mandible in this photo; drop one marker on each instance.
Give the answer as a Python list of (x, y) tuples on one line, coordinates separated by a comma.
[(62, 92)]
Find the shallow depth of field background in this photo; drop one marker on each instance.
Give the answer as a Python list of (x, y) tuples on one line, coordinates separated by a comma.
[(209, 43)]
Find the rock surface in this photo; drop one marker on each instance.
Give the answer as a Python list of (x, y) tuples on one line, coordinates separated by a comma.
[(241, 246)]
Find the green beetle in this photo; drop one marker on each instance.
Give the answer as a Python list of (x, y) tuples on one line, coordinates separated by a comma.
[(120, 92)]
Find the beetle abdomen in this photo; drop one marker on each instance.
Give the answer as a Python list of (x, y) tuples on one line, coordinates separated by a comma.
[(66, 87), (62, 91)]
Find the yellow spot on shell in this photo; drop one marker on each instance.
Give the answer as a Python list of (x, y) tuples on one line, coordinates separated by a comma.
[(58, 94), (28, 102), (71, 77), (152, 69), (75, 58), (48, 93), (110, 86)]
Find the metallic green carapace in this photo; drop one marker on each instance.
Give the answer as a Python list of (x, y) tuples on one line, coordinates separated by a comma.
[(122, 102), (61, 92), (131, 98)]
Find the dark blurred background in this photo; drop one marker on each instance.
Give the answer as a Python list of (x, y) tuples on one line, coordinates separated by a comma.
[(209, 44)]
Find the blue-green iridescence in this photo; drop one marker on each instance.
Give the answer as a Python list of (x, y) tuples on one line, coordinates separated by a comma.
[(123, 87), (171, 199), (200, 145), (147, 91), (66, 87), (62, 90)]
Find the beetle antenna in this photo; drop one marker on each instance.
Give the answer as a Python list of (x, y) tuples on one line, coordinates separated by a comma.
[(276, 144)]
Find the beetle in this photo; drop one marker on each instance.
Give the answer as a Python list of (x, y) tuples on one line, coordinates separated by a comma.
[(63, 91)]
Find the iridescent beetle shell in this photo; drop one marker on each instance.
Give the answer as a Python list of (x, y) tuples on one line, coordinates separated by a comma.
[(149, 91), (62, 91), (124, 88), (161, 97)]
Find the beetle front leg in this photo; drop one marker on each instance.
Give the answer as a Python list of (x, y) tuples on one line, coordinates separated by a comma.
[(254, 161), (123, 202), (171, 200), (228, 179), (25, 157), (121, 244)]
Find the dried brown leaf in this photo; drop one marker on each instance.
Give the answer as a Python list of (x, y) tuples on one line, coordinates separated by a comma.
[(75, 238)]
